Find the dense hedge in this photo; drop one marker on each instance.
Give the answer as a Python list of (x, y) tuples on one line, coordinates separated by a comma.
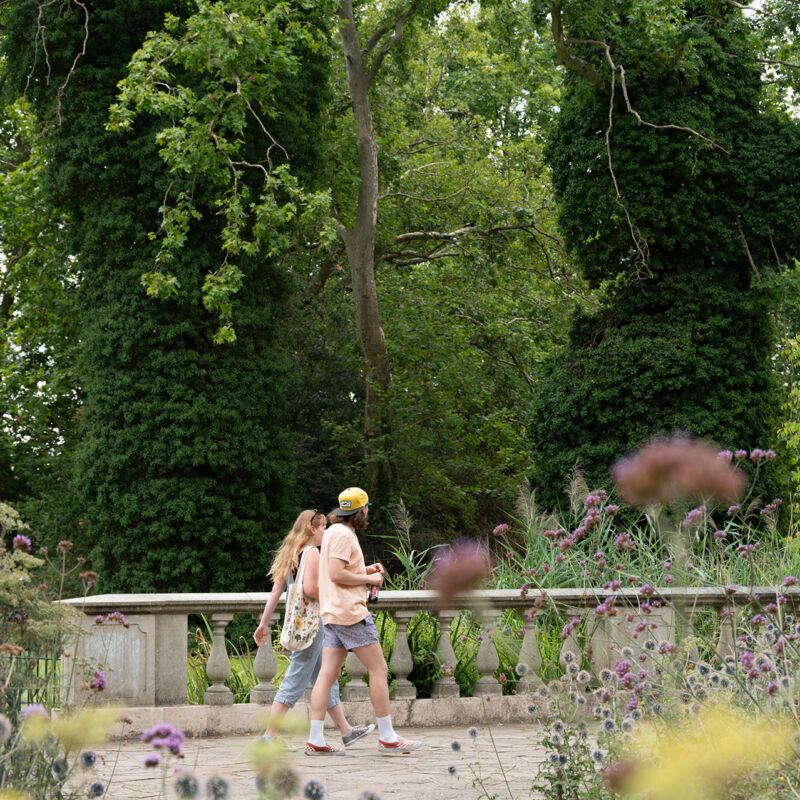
[(683, 344), (186, 471)]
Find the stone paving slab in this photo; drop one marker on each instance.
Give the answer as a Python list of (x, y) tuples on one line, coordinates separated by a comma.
[(415, 776)]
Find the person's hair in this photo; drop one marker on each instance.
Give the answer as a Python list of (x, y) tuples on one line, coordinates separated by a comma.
[(358, 521), (288, 555), (333, 516)]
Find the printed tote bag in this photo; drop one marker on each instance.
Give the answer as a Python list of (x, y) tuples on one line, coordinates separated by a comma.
[(301, 622)]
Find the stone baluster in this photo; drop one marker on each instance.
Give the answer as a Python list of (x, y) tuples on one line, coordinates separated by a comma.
[(725, 643), (487, 660), (688, 642), (218, 666), (355, 689), (402, 662), (265, 667), (530, 660), (446, 686)]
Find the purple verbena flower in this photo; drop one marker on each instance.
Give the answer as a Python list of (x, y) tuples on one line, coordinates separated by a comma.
[(694, 516), (757, 455), (740, 455), (99, 682), (21, 542), (500, 529)]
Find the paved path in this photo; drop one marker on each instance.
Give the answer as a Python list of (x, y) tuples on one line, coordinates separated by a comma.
[(416, 776)]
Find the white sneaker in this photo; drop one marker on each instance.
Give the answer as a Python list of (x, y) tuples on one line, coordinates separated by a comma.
[(400, 747)]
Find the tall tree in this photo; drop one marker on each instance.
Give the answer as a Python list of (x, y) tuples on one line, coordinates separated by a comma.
[(678, 185), (185, 469)]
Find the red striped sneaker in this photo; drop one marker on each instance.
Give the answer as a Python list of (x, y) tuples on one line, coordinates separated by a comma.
[(400, 747), (325, 750)]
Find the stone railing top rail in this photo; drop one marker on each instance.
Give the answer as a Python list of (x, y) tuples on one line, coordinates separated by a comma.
[(253, 602)]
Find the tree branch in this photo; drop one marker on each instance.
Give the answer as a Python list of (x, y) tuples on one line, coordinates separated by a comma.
[(388, 45), (563, 55)]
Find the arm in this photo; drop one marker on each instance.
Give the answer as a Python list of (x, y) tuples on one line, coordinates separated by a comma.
[(311, 574), (262, 631), (340, 574)]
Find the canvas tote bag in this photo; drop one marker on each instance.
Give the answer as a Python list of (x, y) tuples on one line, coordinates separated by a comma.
[(301, 623)]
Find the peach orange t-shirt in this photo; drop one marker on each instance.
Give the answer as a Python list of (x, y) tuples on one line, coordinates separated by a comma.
[(340, 604)]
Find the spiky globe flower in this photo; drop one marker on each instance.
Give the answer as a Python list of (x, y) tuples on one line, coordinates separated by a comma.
[(97, 789), (217, 788), (88, 759), (314, 790), (6, 729), (284, 782), (186, 786)]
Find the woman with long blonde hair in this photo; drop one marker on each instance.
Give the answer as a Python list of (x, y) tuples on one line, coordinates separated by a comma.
[(303, 540)]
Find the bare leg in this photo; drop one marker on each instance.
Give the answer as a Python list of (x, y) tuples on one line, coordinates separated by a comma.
[(336, 713), (332, 660), (371, 656), (276, 714)]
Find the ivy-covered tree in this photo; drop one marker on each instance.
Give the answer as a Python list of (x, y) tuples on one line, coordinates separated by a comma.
[(678, 187), (186, 472)]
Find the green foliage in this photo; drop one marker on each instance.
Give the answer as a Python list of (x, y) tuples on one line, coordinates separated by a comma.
[(184, 469), (210, 77), (683, 338)]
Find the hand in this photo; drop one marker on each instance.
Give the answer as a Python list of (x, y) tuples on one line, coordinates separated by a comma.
[(375, 579), (260, 634), (372, 568)]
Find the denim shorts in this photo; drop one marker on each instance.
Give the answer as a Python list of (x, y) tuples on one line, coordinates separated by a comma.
[(302, 672), (349, 637)]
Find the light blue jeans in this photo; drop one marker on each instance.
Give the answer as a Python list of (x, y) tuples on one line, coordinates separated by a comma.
[(302, 671)]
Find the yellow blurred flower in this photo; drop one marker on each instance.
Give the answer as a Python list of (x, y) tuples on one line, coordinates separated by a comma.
[(35, 728), (695, 760), (85, 728), (266, 756), (12, 794)]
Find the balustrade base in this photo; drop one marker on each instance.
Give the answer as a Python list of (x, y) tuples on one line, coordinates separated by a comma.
[(263, 696), (218, 697), (355, 692), (250, 719)]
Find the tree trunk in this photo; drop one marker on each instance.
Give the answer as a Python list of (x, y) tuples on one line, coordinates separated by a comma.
[(360, 243)]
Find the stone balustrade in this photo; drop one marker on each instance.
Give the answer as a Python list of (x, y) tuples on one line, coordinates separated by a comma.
[(146, 662)]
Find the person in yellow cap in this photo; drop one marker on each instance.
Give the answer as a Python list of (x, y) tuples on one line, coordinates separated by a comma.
[(343, 578)]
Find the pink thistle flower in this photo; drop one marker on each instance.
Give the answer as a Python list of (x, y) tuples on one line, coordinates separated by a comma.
[(610, 510), (725, 455), (21, 542), (666, 470), (669, 579), (769, 455), (740, 455), (732, 510), (459, 568), (647, 590), (718, 535)]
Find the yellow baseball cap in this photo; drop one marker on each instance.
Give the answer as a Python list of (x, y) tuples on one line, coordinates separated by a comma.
[(350, 500)]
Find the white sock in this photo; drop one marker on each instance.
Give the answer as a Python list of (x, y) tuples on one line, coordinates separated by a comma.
[(316, 735), (385, 730)]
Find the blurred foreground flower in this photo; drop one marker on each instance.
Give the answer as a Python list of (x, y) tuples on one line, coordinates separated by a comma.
[(669, 469), (459, 568), (698, 760)]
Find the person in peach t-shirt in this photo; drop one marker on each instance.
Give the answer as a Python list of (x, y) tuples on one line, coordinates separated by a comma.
[(343, 578)]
